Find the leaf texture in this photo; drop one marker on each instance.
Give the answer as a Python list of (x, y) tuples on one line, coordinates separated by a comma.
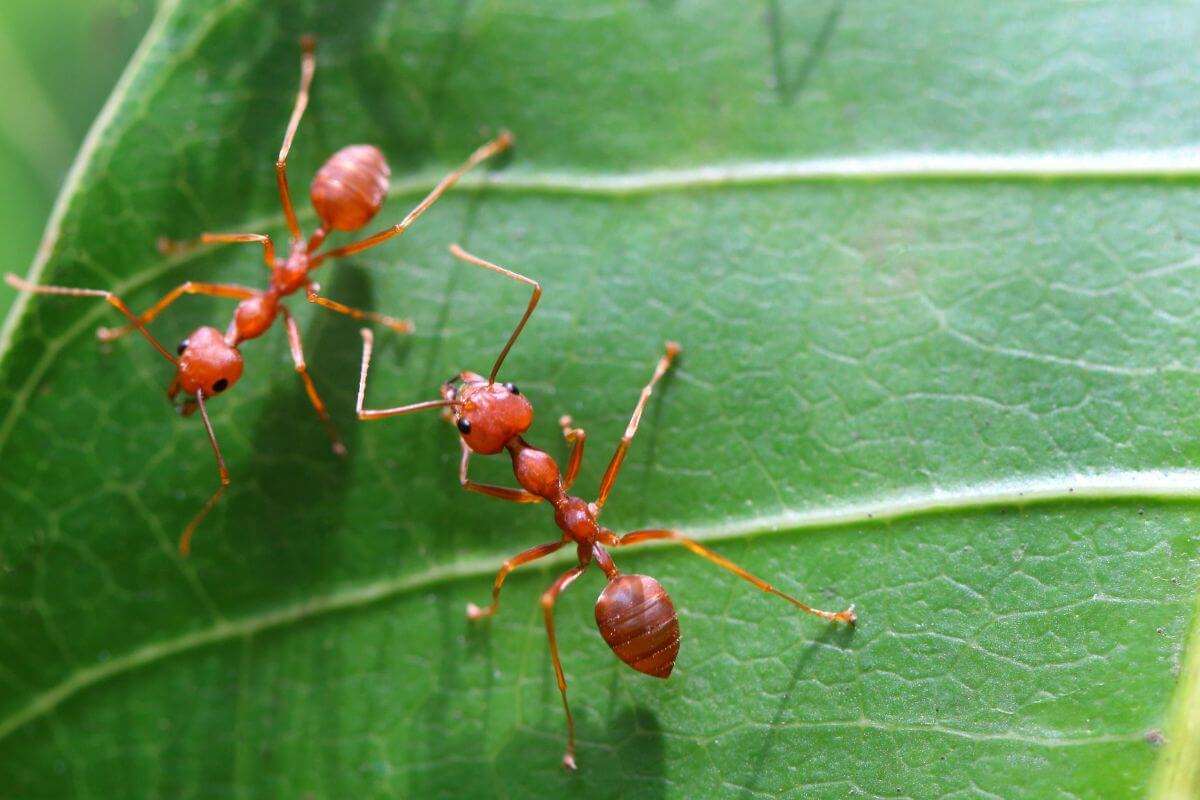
[(933, 269)]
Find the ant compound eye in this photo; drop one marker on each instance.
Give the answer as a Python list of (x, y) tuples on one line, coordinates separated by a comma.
[(182, 346), (464, 427), (512, 387), (220, 386)]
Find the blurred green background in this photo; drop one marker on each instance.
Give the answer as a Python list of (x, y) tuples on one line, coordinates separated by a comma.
[(58, 62)]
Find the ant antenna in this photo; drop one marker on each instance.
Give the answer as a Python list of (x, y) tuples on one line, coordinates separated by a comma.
[(379, 413), (135, 323), (185, 541), (458, 252)]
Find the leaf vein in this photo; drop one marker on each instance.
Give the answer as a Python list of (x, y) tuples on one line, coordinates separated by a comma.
[(1178, 485)]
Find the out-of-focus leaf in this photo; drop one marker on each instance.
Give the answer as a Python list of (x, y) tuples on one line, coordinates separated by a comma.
[(56, 65)]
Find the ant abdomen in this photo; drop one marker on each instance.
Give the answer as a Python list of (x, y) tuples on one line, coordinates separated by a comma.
[(349, 189), (637, 619)]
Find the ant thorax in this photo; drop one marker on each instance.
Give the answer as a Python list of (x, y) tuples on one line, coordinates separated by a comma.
[(576, 519), (537, 472), (289, 276), (254, 316)]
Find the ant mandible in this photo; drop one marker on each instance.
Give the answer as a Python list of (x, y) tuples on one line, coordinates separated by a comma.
[(635, 616), (347, 192)]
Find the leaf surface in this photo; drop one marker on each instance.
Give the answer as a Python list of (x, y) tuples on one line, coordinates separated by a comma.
[(933, 271)]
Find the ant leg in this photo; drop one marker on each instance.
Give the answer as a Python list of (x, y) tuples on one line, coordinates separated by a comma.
[(576, 438), (308, 65), (111, 298), (548, 598), (397, 325), (191, 287), (499, 144), (293, 334), (379, 413), (231, 238), (185, 541), (474, 612), (458, 252), (847, 616), (614, 466), (502, 492)]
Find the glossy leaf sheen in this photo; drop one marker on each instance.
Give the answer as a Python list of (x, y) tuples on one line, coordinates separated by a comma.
[(875, 373)]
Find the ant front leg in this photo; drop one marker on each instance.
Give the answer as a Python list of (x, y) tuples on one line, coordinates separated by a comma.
[(191, 287), (848, 616), (548, 599), (576, 437), (185, 541), (397, 325), (502, 492), (614, 466), (474, 612), (293, 334)]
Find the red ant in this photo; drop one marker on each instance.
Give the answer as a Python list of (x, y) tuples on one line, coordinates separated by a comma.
[(634, 613), (347, 191)]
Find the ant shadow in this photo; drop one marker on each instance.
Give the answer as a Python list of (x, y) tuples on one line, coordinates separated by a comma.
[(627, 762), (644, 764), (790, 88), (374, 77), (297, 484), (839, 635), (622, 756), (251, 134), (400, 107)]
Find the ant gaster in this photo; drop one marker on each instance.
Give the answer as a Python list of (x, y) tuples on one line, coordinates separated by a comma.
[(635, 616), (347, 192)]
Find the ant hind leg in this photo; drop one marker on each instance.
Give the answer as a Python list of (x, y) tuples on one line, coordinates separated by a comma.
[(548, 598), (308, 65), (848, 616), (497, 145)]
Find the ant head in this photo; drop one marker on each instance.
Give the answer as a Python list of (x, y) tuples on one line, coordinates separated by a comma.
[(489, 415), (207, 363)]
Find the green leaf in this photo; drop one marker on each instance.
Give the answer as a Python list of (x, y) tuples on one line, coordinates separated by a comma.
[(933, 269), (56, 65)]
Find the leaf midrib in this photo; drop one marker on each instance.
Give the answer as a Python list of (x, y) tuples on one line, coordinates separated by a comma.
[(1177, 164), (1164, 165), (1174, 485)]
